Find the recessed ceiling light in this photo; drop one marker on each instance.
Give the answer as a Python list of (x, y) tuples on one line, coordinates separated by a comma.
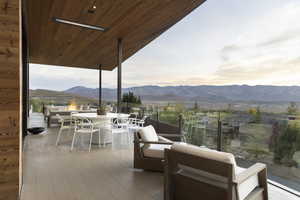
[(63, 21)]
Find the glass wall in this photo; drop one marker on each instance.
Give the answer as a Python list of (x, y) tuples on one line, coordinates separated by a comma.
[(252, 135)]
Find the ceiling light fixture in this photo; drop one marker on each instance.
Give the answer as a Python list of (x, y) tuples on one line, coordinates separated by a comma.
[(93, 8), (63, 21)]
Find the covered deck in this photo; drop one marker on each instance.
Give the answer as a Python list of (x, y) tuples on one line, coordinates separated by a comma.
[(54, 172)]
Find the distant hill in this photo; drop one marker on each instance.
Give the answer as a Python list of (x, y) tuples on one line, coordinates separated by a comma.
[(60, 97), (231, 93)]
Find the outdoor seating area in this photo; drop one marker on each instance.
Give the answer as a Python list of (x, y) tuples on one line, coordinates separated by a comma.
[(99, 128), (127, 170), (74, 126)]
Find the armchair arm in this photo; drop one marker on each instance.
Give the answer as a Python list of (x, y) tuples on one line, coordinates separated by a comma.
[(153, 142), (254, 169), (164, 139), (170, 135)]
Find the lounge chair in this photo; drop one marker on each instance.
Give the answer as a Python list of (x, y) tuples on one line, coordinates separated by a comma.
[(193, 172), (149, 149)]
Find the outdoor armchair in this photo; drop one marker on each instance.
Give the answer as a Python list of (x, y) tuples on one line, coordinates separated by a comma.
[(192, 172), (149, 149)]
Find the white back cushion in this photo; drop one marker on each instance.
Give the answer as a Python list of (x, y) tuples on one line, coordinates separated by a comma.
[(205, 153), (148, 134)]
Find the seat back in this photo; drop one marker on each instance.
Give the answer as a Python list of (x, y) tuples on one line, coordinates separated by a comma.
[(83, 123), (60, 119), (193, 172), (148, 134), (144, 118)]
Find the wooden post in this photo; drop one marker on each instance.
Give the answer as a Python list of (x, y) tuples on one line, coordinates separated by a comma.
[(100, 85), (120, 58), (11, 94), (25, 84)]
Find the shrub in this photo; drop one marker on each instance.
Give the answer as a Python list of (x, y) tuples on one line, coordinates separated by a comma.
[(287, 144)]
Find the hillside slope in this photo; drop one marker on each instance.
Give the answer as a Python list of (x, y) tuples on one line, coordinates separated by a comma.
[(201, 93), (60, 97)]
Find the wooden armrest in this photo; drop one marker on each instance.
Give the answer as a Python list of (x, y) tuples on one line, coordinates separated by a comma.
[(170, 135), (164, 139), (153, 142), (254, 169)]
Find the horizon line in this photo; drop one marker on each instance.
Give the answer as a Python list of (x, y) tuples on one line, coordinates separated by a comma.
[(161, 86)]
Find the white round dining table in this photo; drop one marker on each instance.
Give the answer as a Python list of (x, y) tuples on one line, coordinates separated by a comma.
[(106, 136), (95, 116)]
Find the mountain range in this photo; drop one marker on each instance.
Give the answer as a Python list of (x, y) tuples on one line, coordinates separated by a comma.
[(230, 93), (59, 97)]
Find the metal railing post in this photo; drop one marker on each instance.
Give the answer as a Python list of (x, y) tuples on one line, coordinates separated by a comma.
[(180, 122), (180, 127), (219, 137), (143, 112), (157, 120)]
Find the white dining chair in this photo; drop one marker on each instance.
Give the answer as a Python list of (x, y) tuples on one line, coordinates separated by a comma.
[(120, 126), (85, 126), (104, 126), (141, 122), (65, 124), (132, 120)]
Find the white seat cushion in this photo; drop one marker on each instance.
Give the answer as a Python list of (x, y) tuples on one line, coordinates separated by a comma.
[(148, 134), (247, 186), (155, 150)]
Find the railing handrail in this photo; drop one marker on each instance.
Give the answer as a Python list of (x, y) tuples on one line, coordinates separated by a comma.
[(285, 188)]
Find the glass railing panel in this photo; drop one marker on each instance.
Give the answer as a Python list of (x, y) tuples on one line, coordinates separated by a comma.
[(270, 138), (169, 117), (201, 129)]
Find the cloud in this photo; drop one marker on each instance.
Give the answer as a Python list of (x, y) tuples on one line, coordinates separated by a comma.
[(230, 48), (285, 37), (268, 72)]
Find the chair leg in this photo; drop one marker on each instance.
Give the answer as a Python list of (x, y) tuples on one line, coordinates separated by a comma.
[(73, 140), (91, 141), (70, 129), (58, 136), (99, 134), (112, 140), (128, 136)]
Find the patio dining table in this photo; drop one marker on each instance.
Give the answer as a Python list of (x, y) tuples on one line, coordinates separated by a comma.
[(106, 136), (95, 116)]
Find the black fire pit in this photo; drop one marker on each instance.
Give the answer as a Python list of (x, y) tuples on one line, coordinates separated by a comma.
[(36, 130)]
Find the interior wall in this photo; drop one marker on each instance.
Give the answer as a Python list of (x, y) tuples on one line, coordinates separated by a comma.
[(10, 98)]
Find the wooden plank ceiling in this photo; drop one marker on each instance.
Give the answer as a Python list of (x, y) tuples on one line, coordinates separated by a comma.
[(137, 22)]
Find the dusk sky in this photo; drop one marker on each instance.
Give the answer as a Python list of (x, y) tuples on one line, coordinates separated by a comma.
[(223, 42)]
